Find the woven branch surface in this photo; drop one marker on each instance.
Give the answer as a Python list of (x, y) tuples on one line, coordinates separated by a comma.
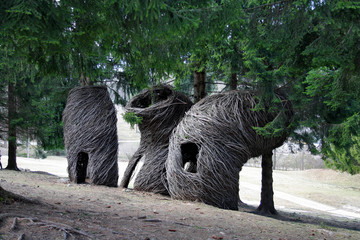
[(90, 135), (213, 141), (161, 108)]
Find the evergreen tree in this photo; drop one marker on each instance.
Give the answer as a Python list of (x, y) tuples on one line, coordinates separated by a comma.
[(310, 49)]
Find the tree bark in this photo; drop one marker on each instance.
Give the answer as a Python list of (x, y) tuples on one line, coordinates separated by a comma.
[(11, 128), (233, 81), (85, 80), (199, 85), (267, 194)]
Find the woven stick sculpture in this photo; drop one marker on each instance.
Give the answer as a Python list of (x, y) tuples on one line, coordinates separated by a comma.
[(217, 137), (161, 108), (90, 135)]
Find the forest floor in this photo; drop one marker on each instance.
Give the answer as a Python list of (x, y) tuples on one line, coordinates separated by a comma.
[(62, 210)]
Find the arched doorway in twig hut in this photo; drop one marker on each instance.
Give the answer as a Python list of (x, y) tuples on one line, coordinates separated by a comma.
[(218, 135), (90, 136), (189, 152), (81, 167)]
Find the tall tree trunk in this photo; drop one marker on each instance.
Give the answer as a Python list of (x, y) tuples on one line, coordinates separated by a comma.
[(199, 85), (85, 80), (233, 81), (28, 146), (267, 194), (11, 128)]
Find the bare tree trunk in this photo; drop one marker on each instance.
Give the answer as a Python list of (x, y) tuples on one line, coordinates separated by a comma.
[(302, 166), (199, 85), (85, 80), (11, 128), (267, 194), (28, 146), (233, 81)]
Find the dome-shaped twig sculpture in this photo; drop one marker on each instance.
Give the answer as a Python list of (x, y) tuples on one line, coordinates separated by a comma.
[(161, 108), (90, 135), (217, 137)]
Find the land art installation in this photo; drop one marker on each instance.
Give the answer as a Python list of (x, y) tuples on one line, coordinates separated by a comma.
[(161, 108), (90, 136), (214, 140)]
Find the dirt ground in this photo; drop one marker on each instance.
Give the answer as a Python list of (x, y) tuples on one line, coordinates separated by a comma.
[(63, 210)]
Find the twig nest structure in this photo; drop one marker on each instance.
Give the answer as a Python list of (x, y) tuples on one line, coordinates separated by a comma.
[(90, 135), (161, 109), (216, 138)]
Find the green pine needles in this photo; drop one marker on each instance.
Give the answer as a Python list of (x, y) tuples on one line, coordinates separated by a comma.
[(132, 119)]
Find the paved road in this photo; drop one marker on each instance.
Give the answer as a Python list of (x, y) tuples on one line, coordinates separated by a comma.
[(57, 166)]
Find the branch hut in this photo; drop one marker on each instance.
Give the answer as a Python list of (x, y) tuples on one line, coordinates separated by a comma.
[(90, 135), (161, 108), (213, 141)]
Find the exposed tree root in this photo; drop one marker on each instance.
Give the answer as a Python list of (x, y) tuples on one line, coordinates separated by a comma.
[(22, 236), (66, 229), (266, 211), (14, 225), (9, 197)]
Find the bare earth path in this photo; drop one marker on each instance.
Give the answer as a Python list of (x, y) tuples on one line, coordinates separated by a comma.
[(250, 180), (71, 211)]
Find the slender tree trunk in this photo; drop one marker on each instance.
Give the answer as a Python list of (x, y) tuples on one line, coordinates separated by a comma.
[(199, 86), (302, 161), (11, 128), (233, 81), (267, 194), (85, 80), (28, 146)]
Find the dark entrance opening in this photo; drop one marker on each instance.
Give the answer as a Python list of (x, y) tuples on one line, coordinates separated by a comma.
[(189, 153), (151, 97), (81, 167)]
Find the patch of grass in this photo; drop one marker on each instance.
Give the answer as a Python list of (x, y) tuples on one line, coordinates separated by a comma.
[(326, 227)]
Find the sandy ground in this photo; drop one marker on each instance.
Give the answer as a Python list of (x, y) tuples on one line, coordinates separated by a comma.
[(307, 196), (313, 204), (70, 211)]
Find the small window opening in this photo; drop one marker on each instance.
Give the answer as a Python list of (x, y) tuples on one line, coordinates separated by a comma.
[(160, 94), (189, 153), (81, 167), (143, 102)]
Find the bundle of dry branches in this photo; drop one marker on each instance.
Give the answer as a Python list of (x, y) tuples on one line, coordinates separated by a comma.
[(161, 108), (90, 135), (213, 141)]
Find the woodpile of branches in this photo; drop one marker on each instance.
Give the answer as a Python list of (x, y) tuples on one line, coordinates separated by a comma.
[(214, 140), (90, 136), (161, 108)]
